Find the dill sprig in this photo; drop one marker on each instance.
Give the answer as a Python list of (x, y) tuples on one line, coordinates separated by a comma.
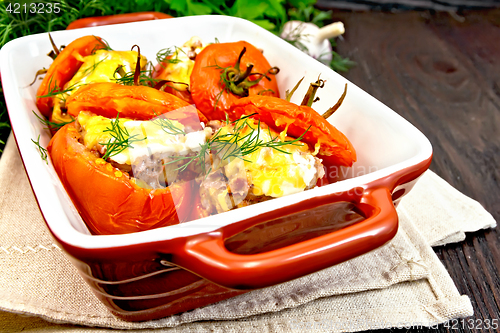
[(120, 139), (105, 45), (169, 56), (167, 125), (52, 125), (41, 149), (228, 146), (233, 145), (62, 94), (127, 78), (56, 91), (92, 68)]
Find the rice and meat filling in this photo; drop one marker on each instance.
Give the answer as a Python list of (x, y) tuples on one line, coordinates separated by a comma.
[(230, 165), (257, 164)]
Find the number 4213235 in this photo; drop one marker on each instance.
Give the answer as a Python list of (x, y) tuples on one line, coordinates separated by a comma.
[(33, 8)]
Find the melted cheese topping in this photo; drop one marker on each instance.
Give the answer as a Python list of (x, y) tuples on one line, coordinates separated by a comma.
[(145, 137), (97, 67), (277, 173), (179, 67), (101, 66)]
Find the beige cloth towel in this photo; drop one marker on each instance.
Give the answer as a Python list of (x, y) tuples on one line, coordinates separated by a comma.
[(402, 283)]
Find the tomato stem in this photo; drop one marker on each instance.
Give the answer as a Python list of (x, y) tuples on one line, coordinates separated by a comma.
[(238, 82), (38, 73), (334, 108), (55, 52), (309, 98), (237, 65), (137, 72), (161, 83), (289, 94)]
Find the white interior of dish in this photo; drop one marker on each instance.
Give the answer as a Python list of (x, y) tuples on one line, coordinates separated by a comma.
[(384, 141)]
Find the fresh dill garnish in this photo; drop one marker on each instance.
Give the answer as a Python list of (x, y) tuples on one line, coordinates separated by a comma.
[(92, 68), (103, 42), (127, 79), (41, 150), (228, 146), (145, 77), (169, 56), (52, 125), (167, 125), (120, 139), (56, 91)]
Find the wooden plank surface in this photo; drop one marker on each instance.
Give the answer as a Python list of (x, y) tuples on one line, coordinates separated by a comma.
[(407, 4), (441, 71)]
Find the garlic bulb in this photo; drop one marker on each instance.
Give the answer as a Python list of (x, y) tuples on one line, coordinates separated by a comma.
[(311, 39)]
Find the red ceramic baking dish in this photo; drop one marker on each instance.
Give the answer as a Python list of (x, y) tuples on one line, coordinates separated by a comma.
[(156, 273)]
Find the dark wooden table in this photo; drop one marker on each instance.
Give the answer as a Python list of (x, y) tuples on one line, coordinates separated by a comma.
[(441, 71)]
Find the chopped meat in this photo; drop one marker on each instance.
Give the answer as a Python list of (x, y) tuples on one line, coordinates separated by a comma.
[(149, 169), (122, 167), (214, 193), (215, 125)]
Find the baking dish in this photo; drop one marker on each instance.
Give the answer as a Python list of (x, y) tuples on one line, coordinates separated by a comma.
[(159, 272)]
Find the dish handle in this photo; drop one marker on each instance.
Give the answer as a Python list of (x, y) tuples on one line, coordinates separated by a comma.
[(207, 256), (116, 19)]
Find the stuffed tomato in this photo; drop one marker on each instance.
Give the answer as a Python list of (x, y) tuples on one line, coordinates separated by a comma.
[(92, 161), (331, 145), (112, 194), (251, 163), (63, 68), (84, 61)]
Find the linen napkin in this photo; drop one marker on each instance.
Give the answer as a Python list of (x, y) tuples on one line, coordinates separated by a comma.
[(401, 283)]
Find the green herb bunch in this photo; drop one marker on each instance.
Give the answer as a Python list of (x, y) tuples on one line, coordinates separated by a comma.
[(269, 14)]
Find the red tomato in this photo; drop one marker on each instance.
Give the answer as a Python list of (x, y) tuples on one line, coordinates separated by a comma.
[(135, 102), (108, 201), (334, 149), (210, 88)]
